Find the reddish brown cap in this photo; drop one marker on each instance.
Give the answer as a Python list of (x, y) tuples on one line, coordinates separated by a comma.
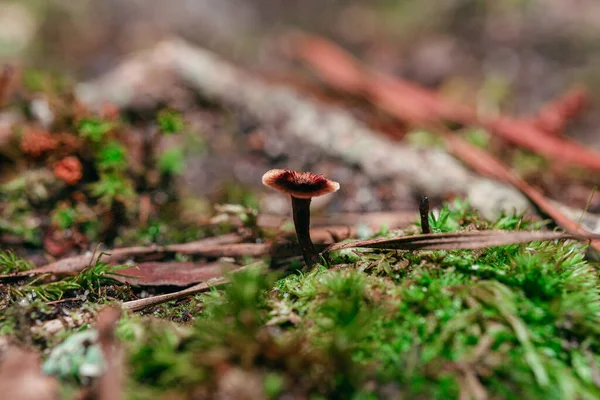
[(303, 185)]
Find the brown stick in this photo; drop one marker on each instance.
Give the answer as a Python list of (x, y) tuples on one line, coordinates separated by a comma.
[(77, 263)]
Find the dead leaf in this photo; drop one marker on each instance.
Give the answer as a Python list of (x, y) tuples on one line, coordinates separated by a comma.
[(171, 273), (140, 304)]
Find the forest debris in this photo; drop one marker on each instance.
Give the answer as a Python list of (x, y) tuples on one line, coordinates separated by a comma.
[(486, 163), (171, 273), (53, 326), (21, 377), (140, 304), (137, 305), (589, 221), (330, 62), (469, 384), (332, 129), (77, 263), (453, 241), (215, 247), (417, 105), (443, 241), (233, 250)]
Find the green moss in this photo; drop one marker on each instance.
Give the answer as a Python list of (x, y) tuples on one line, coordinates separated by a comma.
[(112, 156), (170, 121), (95, 129), (113, 187), (93, 280), (517, 321), (10, 263), (172, 161), (164, 231)]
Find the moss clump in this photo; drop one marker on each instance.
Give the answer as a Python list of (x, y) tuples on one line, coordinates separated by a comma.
[(506, 322)]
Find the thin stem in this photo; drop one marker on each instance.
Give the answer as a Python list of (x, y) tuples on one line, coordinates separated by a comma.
[(424, 211), (301, 212)]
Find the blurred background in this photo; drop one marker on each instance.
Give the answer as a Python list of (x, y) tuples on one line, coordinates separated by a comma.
[(512, 54), (500, 57)]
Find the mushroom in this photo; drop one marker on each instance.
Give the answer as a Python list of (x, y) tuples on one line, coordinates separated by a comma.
[(302, 187)]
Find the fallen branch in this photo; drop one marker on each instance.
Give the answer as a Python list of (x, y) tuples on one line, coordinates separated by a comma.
[(77, 263)]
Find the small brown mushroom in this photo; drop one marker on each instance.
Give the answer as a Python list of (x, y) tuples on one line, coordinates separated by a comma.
[(302, 187)]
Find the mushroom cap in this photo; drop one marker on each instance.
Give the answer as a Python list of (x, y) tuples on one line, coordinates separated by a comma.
[(303, 185)]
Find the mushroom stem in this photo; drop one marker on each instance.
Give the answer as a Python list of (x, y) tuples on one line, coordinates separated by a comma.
[(424, 211), (301, 213)]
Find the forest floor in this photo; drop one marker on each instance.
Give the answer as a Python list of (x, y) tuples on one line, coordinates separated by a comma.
[(141, 257)]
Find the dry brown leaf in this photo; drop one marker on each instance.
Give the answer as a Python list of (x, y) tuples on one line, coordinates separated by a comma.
[(140, 304), (171, 273)]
